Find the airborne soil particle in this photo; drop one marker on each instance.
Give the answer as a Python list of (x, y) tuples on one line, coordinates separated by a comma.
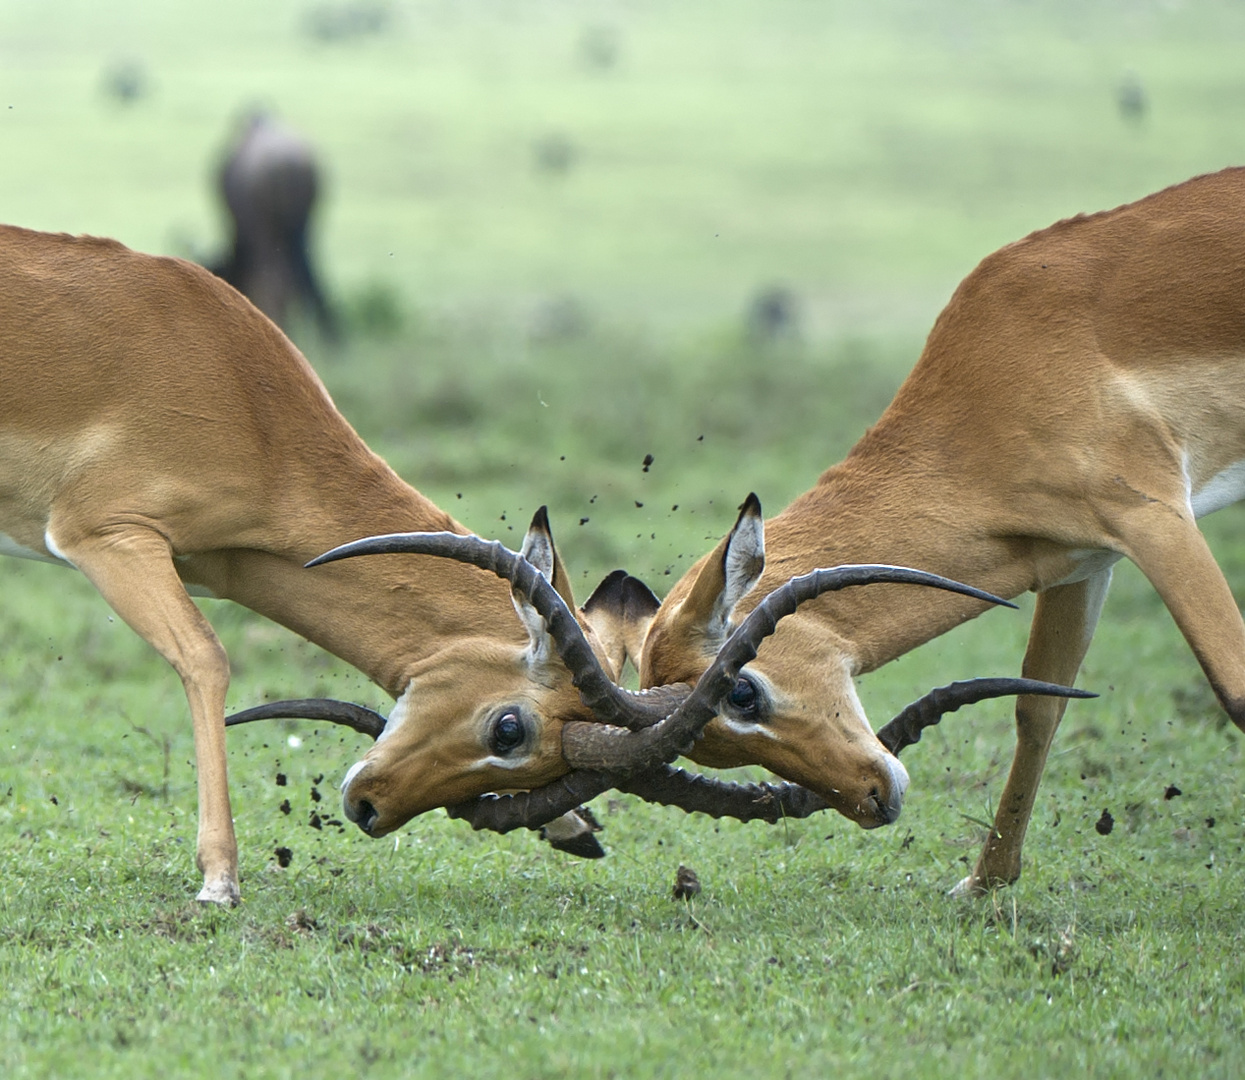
[(686, 884)]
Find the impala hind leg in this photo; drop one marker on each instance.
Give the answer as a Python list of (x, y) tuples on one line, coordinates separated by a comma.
[(132, 567), (1063, 624)]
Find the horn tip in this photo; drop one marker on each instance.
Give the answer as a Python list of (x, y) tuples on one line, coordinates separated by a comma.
[(326, 557)]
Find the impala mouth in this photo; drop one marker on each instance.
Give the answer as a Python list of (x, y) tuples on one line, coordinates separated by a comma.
[(363, 814), (881, 813), (875, 811)]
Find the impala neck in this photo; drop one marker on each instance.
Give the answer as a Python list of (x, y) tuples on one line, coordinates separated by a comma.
[(383, 614), (890, 504)]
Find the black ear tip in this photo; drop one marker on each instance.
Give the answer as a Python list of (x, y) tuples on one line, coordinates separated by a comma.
[(638, 598), (750, 505), (611, 590), (540, 519)]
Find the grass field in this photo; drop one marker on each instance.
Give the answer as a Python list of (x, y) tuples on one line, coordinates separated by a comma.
[(544, 331)]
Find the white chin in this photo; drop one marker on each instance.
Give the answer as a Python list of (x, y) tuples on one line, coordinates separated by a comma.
[(899, 782)]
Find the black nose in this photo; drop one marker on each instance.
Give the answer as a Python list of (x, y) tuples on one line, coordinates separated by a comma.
[(367, 816)]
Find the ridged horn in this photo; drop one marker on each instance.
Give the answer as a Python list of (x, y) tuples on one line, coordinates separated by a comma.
[(613, 749), (610, 703), (666, 785), (361, 719), (925, 712)]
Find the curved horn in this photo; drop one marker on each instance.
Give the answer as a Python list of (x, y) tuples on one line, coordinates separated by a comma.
[(608, 748), (666, 785), (610, 703), (697, 793), (925, 712), (362, 719), (532, 809)]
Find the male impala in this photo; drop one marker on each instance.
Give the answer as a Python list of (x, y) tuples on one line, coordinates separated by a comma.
[(1080, 399), (157, 431)]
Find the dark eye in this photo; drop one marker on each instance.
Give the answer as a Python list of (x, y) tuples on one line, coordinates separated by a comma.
[(508, 733), (743, 696)]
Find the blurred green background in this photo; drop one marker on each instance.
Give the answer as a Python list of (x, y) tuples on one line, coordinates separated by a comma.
[(546, 225), (547, 222)]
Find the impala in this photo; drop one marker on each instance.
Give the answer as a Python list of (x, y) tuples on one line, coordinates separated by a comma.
[(158, 433), (1079, 400)]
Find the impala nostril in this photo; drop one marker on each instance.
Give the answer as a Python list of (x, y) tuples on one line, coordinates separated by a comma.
[(367, 816)]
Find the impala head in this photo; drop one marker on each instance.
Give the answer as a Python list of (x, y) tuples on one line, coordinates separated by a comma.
[(792, 705), (481, 714), (794, 708)]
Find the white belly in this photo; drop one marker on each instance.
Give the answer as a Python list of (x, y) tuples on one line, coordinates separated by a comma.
[(1222, 489), (9, 546), (1088, 562)]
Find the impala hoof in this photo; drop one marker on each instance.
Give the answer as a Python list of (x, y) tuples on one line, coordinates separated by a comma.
[(223, 891)]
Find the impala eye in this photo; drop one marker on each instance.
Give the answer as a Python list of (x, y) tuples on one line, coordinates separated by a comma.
[(508, 733), (743, 696)]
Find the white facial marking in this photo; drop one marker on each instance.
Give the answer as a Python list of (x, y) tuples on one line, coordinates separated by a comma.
[(397, 715), (854, 707), (351, 773), (1222, 489), (745, 727), (513, 762)]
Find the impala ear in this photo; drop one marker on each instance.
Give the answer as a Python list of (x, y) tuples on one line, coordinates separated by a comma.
[(620, 611), (726, 576), (538, 549)]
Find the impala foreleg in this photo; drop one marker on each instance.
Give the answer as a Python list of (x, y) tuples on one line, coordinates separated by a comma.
[(1173, 554), (132, 567), (1063, 624)]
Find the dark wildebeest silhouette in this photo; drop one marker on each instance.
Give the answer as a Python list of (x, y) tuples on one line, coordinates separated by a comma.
[(269, 182)]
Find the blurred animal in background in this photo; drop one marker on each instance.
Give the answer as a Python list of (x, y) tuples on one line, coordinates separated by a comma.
[(269, 183), (126, 82), (1131, 98), (774, 314)]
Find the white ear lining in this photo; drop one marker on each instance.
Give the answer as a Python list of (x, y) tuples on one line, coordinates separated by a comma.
[(538, 550), (742, 567)]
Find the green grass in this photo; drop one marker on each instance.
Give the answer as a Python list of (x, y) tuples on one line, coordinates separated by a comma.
[(866, 155)]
